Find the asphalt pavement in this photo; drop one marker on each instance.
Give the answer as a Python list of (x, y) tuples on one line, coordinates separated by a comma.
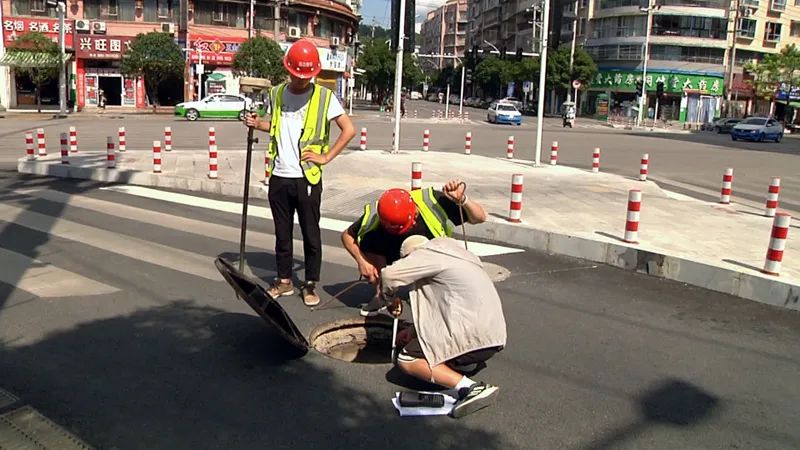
[(115, 324)]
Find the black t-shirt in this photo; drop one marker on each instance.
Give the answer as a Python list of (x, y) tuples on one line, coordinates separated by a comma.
[(381, 242)]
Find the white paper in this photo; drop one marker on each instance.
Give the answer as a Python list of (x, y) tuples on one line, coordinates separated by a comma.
[(449, 401)]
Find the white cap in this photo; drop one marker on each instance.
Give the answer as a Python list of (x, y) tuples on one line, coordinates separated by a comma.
[(412, 243)]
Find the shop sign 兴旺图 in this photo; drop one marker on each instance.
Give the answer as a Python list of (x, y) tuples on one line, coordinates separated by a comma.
[(102, 46), (673, 83), (14, 27)]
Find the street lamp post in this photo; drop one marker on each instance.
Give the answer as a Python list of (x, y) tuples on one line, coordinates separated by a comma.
[(542, 75), (398, 74), (643, 97), (61, 7), (572, 50)]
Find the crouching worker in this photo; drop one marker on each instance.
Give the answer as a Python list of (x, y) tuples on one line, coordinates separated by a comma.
[(458, 318)]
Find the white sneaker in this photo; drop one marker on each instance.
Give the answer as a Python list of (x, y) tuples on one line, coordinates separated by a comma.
[(476, 397)]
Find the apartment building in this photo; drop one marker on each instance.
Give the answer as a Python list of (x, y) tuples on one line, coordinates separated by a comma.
[(97, 33), (444, 31)]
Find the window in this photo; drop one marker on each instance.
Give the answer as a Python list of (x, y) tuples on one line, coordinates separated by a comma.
[(689, 26), (582, 26), (584, 3), (772, 32), (747, 28), (688, 54), (110, 8), (753, 3), (219, 13), (38, 6), (163, 9), (777, 5), (630, 52), (794, 29)]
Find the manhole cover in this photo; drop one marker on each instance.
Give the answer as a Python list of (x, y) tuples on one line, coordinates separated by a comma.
[(359, 340), (496, 272)]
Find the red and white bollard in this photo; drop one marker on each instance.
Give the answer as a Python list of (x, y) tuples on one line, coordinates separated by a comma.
[(596, 160), (515, 209), (777, 243), (41, 142), (727, 187), (554, 153), (213, 166), (363, 139), (64, 148), (416, 176), (167, 139), (156, 156), (466, 115), (29, 146), (426, 140), (643, 168), (510, 148), (111, 154), (415, 113), (632, 222), (266, 167), (123, 144), (468, 143), (772, 197), (73, 140)]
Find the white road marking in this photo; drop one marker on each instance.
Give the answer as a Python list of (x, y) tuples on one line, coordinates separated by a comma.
[(45, 280), (478, 248)]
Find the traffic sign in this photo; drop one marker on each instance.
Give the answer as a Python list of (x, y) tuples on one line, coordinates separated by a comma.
[(576, 84), (526, 86)]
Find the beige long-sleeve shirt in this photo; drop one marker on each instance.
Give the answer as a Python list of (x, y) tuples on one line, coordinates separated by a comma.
[(455, 306)]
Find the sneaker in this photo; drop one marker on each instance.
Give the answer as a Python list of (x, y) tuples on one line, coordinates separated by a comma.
[(372, 308), (471, 399), (279, 289), (309, 294)]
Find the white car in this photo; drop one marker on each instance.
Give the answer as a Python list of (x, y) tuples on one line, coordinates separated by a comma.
[(757, 129), (503, 113), (215, 106)]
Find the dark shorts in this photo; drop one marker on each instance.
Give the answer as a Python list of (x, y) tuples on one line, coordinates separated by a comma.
[(412, 351)]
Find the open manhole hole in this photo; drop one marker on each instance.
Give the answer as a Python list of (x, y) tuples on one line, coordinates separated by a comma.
[(358, 340)]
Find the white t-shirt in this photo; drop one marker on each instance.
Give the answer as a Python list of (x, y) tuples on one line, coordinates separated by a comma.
[(293, 115)]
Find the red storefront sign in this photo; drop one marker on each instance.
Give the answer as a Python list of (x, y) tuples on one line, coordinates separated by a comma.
[(13, 27), (212, 50), (101, 46)]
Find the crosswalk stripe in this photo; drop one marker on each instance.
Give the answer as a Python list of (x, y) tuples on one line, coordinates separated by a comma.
[(45, 280), (131, 247), (332, 254), (478, 248)]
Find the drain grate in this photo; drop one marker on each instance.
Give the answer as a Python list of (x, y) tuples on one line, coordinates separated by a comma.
[(27, 428), (6, 398)]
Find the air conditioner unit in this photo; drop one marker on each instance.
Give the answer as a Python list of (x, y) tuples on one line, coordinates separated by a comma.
[(335, 41), (168, 27), (83, 25), (294, 32), (99, 27)]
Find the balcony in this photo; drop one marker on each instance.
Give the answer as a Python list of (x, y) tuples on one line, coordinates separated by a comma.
[(717, 4), (689, 32)]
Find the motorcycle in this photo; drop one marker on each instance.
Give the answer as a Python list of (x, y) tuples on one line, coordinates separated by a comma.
[(568, 114), (568, 121)]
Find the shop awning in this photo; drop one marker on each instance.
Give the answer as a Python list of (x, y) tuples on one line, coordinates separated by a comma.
[(30, 59)]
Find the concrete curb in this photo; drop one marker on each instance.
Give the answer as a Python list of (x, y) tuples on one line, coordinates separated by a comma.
[(754, 287)]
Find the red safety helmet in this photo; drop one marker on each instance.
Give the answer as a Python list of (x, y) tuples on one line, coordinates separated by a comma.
[(302, 60), (397, 211)]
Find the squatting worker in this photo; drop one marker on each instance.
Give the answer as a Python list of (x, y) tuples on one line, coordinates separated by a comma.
[(458, 317), (299, 147), (374, 239)]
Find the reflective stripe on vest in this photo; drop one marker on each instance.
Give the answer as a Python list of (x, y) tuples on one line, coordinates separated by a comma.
[(432, 213), (316, 128)]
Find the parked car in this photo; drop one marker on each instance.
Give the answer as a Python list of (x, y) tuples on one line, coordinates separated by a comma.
[(725, 125), (454, 99), (433, 97), (415, 95), (216, 106), (757, 129), (501, 112)]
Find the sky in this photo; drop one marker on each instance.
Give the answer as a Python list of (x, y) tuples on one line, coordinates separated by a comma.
[(381, 12)]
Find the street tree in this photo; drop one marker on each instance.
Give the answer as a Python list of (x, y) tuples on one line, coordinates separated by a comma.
[(560, 77), (378, 63), (412, 72), (766, 76), (39, 56), (260, 57), (157, 58)]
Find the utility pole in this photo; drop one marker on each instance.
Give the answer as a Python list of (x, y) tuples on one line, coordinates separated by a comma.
[(62, 70), (643, 97), (252, 18), (732, 56), (398, 73), (276, 23), (572, 51), (542, 75)]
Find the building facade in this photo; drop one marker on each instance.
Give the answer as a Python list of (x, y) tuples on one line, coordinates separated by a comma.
[(97, 33), (444, 31), (508, 24)]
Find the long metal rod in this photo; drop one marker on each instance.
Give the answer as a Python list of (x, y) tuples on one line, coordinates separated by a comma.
[(398, 75), (461, 99), (732, 57), (62, 72), (542, 75), (572, 51), (639, 116), (246, 197)]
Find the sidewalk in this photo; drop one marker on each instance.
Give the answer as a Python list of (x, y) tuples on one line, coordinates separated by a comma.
[(565, 211)]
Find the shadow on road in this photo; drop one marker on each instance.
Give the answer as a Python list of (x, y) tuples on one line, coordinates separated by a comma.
[(183, 376)]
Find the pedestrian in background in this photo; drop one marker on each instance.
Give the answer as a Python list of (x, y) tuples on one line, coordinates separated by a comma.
[(299, 147)]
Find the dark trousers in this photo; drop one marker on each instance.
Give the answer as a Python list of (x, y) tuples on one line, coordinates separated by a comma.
[(287, 195)]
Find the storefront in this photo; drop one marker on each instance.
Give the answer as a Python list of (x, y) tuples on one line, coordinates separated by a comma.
[(19, 91), (98, 60), (212, 61), (690, 98)]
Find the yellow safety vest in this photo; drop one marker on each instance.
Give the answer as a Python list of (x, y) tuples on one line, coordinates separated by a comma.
[(432, 213), (316, 129)]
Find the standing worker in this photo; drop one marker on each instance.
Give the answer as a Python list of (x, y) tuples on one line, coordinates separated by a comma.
[(374, 239), (299, 147), (458, 318)]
